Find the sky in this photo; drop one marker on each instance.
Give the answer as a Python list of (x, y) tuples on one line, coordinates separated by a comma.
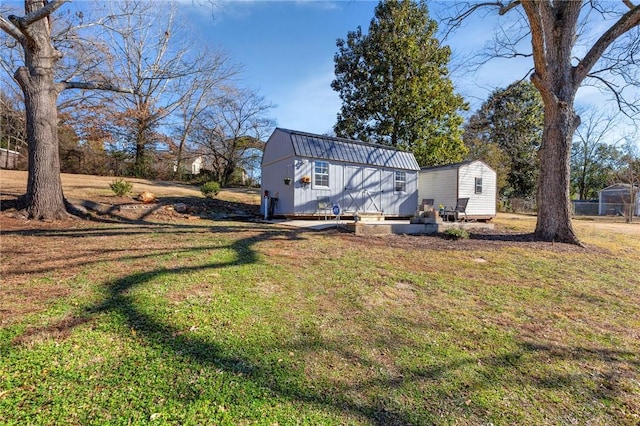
[(286, 49)]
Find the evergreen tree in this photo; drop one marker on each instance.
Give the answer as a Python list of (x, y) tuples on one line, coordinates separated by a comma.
[(395, 88), (512, 119)]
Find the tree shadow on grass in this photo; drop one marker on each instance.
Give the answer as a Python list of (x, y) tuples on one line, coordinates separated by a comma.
[(377, 410), (215, 355), (354, 397), (119, 301)]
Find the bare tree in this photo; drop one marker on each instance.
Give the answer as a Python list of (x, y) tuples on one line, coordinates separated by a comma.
[(154, 56), (554, 28), (629, 173), (230, 132), (36, 77), (593, 151), (201, 93)]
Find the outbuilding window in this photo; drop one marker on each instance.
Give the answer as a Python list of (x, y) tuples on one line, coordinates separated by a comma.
[(478, 186), (400, 182), (321, 174)]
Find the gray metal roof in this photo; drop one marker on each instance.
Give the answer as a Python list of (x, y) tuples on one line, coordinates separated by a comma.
[(350, 151), (453, 165)]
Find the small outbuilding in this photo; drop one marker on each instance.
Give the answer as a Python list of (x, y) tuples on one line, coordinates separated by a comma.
[(9, 159), (474, 180), (305, 174), (616, 199)]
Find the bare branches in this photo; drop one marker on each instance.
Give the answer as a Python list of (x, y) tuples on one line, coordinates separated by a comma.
[(467, 12), (626, 22), (628, 108)]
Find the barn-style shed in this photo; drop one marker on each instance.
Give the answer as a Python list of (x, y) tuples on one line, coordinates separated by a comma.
[(616, 199), (474, 180), (305, 174)]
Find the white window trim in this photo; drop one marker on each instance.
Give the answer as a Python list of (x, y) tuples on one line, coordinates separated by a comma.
[(475, 186), (395, 180), (328, 174)]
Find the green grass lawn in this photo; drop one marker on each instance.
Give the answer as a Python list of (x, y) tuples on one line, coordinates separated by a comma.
[(238, 323)]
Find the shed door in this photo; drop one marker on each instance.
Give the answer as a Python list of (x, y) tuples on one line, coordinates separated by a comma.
[(371, 193), (362, 192)]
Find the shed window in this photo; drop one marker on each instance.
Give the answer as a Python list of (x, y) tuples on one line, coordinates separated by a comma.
[(400, 182), (478, 186), (321, 173)]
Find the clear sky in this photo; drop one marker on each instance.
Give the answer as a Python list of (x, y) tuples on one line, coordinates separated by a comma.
[(287, 50)]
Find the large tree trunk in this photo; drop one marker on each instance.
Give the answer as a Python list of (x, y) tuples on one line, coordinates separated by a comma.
[(554, 205), (44, 198), (553, 30)]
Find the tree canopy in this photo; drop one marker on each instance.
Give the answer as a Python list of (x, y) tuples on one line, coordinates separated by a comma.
[(512, 119), (395, 87)]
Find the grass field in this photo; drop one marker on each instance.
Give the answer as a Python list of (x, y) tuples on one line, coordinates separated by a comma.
[(214, 322)]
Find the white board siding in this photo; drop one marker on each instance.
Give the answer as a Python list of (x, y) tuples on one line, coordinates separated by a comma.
[(448, 183), (479, 204), (440, 185)]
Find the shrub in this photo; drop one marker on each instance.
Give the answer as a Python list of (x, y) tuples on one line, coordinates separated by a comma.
[(121, 187), (210, 189), (456, 234)]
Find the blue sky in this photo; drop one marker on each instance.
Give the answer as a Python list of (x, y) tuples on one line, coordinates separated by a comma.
[(287, 50)]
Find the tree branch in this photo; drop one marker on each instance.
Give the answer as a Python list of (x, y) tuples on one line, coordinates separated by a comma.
[(626, 22), (43, 12), (11, 29), (619, 97), (534, 13), (456, 21), (63, 85)]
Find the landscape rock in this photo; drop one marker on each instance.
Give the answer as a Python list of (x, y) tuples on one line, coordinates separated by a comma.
[(147, 197), (180, 207)]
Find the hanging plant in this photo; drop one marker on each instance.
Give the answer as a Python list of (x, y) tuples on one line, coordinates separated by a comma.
[(305, 179)]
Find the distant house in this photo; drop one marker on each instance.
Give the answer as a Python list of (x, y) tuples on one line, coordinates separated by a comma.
[(615, 199), (303, 173), (470, 179), (196, 165)]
